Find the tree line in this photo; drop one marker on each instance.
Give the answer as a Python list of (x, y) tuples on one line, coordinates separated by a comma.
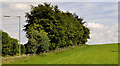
[(48, 28), (10, 45)]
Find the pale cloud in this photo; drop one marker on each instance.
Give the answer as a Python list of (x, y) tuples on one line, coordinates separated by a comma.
[(95, 25), (19, 6), (103, 34)]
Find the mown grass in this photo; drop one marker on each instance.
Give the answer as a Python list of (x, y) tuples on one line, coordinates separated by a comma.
[(86, 54)]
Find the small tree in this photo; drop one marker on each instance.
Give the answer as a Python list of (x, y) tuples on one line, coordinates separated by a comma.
[(44, 42)]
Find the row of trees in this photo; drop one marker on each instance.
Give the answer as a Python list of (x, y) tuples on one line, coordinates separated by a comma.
[(49, 28), (10, 45)]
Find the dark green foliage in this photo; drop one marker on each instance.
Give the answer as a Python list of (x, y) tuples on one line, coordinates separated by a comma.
[(86, 30), (23, 49), (9, 45), (5, 44), (14, 46), (47, 25), (86, 35)]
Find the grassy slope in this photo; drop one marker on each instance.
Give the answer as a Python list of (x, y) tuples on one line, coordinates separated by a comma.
[(87, 54)]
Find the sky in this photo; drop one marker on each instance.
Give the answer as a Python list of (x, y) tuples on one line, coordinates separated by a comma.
[(101, 17)]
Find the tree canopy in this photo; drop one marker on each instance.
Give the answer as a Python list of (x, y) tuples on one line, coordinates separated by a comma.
[(9, 45), (49, 28)]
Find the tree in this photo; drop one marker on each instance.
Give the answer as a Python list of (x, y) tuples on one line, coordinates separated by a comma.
[(47, 25), (9, 45), (5, 44)]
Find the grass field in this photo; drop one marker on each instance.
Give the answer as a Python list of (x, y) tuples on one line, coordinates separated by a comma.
[(86, 54)]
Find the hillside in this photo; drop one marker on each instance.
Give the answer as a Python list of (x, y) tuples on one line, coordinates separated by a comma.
[(86, 54)]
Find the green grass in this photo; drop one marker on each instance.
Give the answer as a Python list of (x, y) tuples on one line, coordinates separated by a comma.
[(86, 54)]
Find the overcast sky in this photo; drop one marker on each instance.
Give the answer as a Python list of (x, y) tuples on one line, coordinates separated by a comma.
[(100, 17)]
